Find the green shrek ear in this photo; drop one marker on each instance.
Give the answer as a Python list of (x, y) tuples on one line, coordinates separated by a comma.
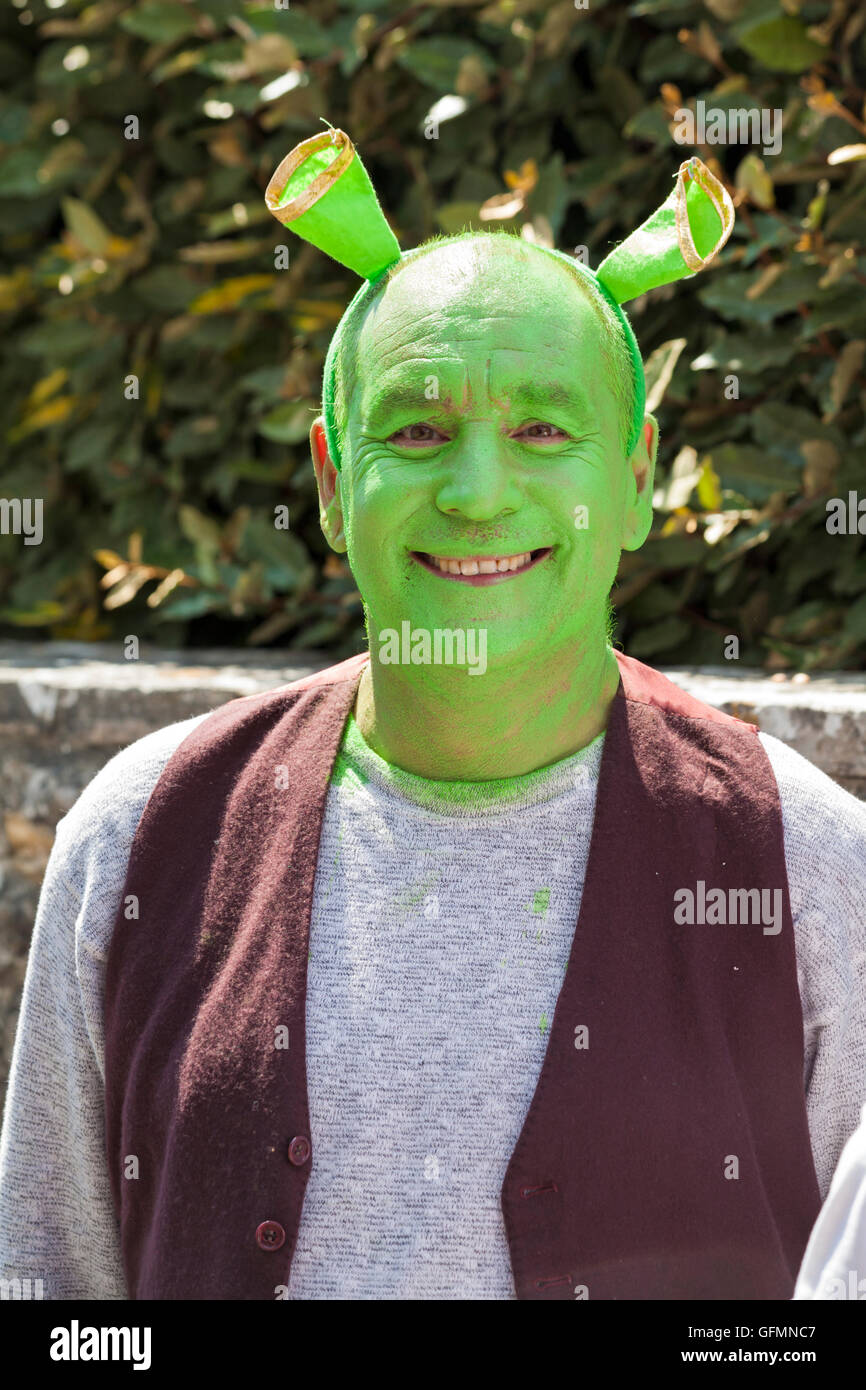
[(680, 237), (323, 192)]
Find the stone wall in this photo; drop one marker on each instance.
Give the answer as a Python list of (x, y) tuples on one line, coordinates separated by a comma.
[(66, 708)]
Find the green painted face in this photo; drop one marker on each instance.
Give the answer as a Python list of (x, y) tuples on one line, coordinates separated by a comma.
[(483, 424)]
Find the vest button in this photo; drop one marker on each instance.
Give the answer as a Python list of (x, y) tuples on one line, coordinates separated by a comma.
[(299, 1150), (270, 1235)]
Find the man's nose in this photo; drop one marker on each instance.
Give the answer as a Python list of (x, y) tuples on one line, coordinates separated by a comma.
[(480, 480)]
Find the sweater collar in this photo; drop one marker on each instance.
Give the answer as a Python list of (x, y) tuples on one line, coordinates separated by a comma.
[(357, 764)]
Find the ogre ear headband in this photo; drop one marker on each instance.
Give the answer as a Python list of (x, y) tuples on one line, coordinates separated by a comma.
[(323, 192)]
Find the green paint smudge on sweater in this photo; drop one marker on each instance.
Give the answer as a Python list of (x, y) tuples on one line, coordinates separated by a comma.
[(416, 892), (347, 774)]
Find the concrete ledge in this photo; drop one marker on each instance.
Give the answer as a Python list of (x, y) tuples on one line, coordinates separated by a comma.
[(824, 717), (67, 707), (87, 695)]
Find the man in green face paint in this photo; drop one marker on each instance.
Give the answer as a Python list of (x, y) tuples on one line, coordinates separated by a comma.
[(527, 976), (484, 423)]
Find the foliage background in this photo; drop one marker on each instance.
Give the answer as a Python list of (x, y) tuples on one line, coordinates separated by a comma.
[(156, 257)]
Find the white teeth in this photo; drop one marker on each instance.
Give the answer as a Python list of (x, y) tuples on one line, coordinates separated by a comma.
[(492, 565)]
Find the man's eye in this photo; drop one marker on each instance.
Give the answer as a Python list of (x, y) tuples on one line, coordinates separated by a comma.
[(540, 429), (416, 434)]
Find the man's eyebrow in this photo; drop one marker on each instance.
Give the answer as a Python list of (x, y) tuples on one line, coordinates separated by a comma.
[(540, 393), (389, 398)]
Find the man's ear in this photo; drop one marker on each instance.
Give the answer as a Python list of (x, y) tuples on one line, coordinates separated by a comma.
[(328, 482), (638, 513)]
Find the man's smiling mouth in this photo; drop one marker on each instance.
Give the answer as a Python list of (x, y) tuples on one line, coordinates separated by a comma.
[(481, 569)]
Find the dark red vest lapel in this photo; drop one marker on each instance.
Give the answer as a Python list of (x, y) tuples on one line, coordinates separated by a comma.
[(691, 1067), (617, 1187), (223, 864)]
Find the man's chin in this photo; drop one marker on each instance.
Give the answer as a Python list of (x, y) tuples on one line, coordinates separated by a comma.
[(442, 646)]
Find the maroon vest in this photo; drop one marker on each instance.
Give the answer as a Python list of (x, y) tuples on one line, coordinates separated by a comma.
[(665, 1153)]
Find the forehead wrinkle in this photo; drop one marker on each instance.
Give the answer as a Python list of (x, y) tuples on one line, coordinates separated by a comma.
[(387, 325), (414, 336), (560, 356), (417, 330)]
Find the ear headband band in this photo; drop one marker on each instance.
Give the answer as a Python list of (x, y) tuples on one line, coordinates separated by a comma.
[(323, 192)]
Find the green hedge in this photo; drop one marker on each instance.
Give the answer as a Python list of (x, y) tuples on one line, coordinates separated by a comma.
[(154, 258)]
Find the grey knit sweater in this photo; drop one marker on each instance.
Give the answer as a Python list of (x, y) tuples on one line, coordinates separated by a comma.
[(443, 915)]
